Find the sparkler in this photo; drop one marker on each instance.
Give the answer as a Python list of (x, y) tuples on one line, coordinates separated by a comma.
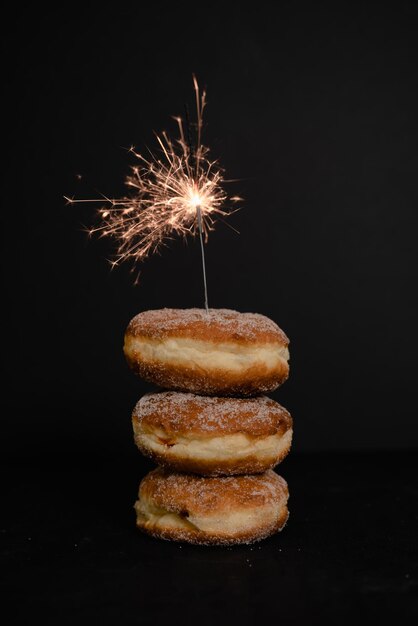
[(177, 191)]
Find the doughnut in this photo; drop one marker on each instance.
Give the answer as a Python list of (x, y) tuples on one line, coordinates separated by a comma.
[(222, 510), (212, 435), (215, 352)]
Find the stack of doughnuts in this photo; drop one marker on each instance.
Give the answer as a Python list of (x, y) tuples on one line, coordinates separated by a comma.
[(213, 433)]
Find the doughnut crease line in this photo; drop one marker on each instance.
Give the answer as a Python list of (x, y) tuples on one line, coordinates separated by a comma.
[(215, 448), (203, 354)]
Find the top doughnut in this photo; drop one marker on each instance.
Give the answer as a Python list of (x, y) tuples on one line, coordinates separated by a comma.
[(220, 352)]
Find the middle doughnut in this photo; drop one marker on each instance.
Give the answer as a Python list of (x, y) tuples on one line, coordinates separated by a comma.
[(212, 436)]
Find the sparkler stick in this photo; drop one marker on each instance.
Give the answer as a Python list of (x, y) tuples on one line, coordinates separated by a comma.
[(176, 191), (202, 249)]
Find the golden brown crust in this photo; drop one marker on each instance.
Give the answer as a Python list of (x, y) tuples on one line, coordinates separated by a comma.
[(212, 436), (217, 325), (198, 495), (220, 352), (255, 380), (219, 539), (202, 507), (177, 413)]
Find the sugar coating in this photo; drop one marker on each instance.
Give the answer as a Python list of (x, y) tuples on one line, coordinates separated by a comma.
[(160, 323), (188, 494), (178, 412), (204, 495)]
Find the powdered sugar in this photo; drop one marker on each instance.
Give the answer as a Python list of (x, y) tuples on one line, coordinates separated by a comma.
[(160, 323), (177, 412), (178, 492)]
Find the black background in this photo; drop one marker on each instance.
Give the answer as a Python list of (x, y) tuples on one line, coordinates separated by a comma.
[(314, 109)]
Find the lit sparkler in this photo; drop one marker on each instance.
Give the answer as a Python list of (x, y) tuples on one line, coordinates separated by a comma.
[(179, 191)]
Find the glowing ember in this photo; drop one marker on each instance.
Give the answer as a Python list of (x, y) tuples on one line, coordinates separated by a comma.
[(169, 191)]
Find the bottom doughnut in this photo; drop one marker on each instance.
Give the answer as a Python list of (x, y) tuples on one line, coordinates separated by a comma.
[(211, 511)]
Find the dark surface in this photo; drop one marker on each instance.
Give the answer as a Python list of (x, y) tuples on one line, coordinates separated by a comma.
[(313, 107), (349, 551)]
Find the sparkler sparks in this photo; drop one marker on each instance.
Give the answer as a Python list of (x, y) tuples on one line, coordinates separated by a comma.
[(175, 192)]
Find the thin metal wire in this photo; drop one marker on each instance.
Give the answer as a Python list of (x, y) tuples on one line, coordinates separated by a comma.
[(202, 248)]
